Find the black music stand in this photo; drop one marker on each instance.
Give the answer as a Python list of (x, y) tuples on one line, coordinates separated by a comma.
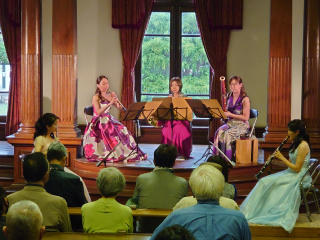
[(105, 159), (206, 108), (136, 111), (173, 109)]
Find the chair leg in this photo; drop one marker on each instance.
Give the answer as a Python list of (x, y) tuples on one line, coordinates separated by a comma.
[(306, 204), (315, 198)]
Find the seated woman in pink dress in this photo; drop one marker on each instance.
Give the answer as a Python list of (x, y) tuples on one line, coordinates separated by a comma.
[(181, 129), (105, 138)]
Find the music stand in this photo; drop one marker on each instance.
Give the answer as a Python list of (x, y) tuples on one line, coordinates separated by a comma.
[(105, 159), (172, 108), (136, 111), (206, 108)]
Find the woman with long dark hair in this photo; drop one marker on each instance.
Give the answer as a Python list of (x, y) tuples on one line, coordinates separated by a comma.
[(45, 127), (275, 200), (105, 138), (238, 113)]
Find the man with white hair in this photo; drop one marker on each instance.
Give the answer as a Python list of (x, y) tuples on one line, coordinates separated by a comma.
[(24, 221), (207, 219)]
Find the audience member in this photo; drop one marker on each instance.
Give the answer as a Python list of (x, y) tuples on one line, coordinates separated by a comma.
[(159, 189), (229, 190), (3, 211), (223, 201), (62, 183), (175, 232), (207, 219), (106, 215), (24, 222), (54, 208)]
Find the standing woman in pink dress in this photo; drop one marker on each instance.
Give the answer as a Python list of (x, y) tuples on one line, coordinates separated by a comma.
[(181, 129)]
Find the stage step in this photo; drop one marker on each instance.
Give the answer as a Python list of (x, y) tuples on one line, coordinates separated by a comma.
[(6, 164)]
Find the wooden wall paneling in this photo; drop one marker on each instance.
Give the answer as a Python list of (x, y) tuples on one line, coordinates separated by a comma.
[(279, 86), (64, 74), (311, 74), (30, 82), (30, 66), (64, 66)]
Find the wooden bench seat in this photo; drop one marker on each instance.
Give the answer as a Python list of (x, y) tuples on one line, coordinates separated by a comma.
[(135, 212), (95, 236)]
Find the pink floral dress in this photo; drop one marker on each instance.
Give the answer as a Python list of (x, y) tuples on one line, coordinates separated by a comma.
[(106, 138)]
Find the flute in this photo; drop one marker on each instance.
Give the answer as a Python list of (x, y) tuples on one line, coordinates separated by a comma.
[(121, 105), (257, 176)]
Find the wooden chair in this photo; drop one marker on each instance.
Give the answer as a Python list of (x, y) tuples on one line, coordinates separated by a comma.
[(314, 171)]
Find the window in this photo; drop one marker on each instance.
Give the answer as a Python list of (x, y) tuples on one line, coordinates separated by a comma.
[(5, 79), (172, 47)]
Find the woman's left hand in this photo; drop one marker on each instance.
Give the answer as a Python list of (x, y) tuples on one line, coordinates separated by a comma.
[(228, 114), (278, 155)]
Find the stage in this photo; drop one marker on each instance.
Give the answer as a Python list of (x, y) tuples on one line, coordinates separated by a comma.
[(242, 175)]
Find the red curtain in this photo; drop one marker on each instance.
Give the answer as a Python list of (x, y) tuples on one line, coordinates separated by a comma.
[(128, 13), (10, 15), (215, 42), (131, 43)]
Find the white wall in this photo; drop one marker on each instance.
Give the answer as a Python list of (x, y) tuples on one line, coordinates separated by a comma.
[(99, 51), (297, 56), (47, 54), (248, 54)]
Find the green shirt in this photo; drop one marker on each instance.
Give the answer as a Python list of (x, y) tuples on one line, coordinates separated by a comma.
[(106, 215)]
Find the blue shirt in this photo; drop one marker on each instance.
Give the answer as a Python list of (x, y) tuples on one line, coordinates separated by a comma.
[(208, 220)]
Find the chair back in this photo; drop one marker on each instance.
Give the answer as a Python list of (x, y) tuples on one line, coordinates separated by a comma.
[(312, 169), (88, 111), (253, 114), (315, 172)]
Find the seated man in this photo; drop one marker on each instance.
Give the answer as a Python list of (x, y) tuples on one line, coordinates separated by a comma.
[(160, 188), (206, 219), (24, 221), (61, 183), (106, 215), (54, 209), (223, 201)]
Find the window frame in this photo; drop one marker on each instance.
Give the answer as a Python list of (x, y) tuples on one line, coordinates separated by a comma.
[(176, 8)]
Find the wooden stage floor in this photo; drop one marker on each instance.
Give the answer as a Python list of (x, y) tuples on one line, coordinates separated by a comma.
[(196, 154), (303, 230)]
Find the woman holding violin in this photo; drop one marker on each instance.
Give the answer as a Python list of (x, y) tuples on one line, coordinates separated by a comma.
[(238, 113), (105, 138), (275, 200)]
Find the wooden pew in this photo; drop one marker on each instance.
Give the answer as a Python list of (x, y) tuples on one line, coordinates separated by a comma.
[(95, 236), (135, 212)]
